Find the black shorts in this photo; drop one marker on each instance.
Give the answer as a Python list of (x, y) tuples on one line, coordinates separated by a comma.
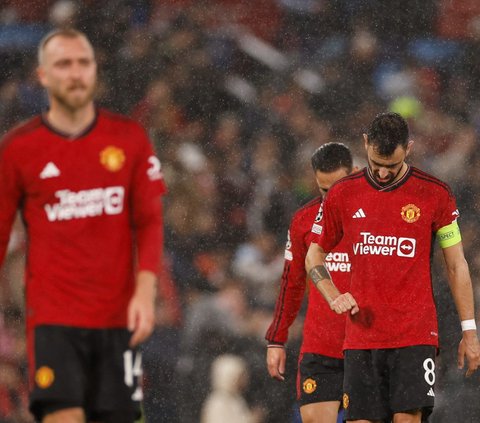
[(320, 379), (380, 383), (89, 368)]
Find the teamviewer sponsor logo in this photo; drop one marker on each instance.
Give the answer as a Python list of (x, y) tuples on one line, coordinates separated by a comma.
[(384, 245), (86, 203), (406, 247), (338, 262)]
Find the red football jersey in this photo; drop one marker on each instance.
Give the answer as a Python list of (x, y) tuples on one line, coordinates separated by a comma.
[(86, 203), (323, 330), (390, 232)]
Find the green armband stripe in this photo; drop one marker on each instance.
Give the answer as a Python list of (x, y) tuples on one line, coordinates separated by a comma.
[(449, 235)]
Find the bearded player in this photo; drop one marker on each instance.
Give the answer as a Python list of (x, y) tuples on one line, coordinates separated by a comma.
[(320, 374), (389, 215), (88, 187)]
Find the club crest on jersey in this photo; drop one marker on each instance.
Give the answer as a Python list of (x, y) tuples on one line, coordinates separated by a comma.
[(309, 386), (112, 158), (44, 377), (410, 213)]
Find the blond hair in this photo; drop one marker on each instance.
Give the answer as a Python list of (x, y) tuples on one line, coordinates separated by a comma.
[(62, 32)]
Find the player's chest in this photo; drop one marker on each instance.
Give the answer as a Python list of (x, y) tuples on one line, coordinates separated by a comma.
[(389, 225), (75, 166), (389, 214)]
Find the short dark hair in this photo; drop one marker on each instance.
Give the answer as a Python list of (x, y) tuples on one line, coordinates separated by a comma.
[(59, 32), (386, 132), (332, 156)]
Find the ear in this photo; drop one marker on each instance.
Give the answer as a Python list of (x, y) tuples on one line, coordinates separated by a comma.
[(409, 147), (317, 181), (365, 141), (42, 76)]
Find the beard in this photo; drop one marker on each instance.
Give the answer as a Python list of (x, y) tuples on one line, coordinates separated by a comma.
[(74, 97), (385, 181)]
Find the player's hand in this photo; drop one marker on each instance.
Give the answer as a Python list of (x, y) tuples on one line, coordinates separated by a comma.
[(470, 348), (276, 359), (344, 303), (141, 309)]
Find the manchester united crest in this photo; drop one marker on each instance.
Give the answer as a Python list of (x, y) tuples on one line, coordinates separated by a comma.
[(44, 377), (345, 401), (112, 158), (309, 386), (410, 213)]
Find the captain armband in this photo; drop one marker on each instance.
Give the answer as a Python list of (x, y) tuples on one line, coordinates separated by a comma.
[(449, 235)]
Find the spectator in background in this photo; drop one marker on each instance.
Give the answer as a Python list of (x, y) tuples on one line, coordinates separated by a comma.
[(229, 377), (214, 324), (259, 263)]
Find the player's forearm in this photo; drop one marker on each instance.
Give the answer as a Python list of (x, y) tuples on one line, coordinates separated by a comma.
[(323, 281), (7, 218), (146, 284), (288, 303), (148, 228), (315, 265), (462, 291)]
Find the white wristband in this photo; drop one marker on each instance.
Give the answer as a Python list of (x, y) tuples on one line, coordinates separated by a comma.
[(468, 325)]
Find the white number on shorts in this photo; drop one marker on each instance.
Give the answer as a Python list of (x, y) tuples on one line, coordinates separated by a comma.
[(429, 366), (133, 368)]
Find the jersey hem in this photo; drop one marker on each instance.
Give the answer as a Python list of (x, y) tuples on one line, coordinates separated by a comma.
[(382, 346)]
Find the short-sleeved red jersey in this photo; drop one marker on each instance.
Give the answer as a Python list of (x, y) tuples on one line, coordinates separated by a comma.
[(323, 330), (390, 232), (86, 202)]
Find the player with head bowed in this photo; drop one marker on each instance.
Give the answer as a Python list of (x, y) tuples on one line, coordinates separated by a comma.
[(320, 374), (388, 215)]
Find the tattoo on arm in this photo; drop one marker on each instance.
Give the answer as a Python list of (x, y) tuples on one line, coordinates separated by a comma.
[(320, 273)]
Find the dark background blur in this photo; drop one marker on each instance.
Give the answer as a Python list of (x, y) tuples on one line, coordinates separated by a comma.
[(236, 95)]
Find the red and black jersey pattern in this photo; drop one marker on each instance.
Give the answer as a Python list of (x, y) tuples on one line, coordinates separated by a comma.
[(323, 330), (85, 201), (390, 232)]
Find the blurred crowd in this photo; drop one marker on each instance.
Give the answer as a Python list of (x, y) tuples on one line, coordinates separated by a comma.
[(236, 96)]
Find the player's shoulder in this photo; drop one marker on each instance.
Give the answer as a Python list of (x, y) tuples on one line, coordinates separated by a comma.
[(20, 133), (304, 216), (308, 208), (432, 182), (348, 182), (119, 121)]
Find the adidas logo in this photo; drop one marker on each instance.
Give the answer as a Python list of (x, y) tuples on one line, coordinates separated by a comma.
[(359, 214), (431, 393), (49, 171)]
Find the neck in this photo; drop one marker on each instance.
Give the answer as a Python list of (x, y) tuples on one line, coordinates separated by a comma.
[(401, 172), (69, 121)]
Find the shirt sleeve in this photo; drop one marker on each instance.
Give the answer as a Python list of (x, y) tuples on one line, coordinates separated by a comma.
[(447, 211), (10, 196), (147, 188), (327, 229), (293, 285)]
